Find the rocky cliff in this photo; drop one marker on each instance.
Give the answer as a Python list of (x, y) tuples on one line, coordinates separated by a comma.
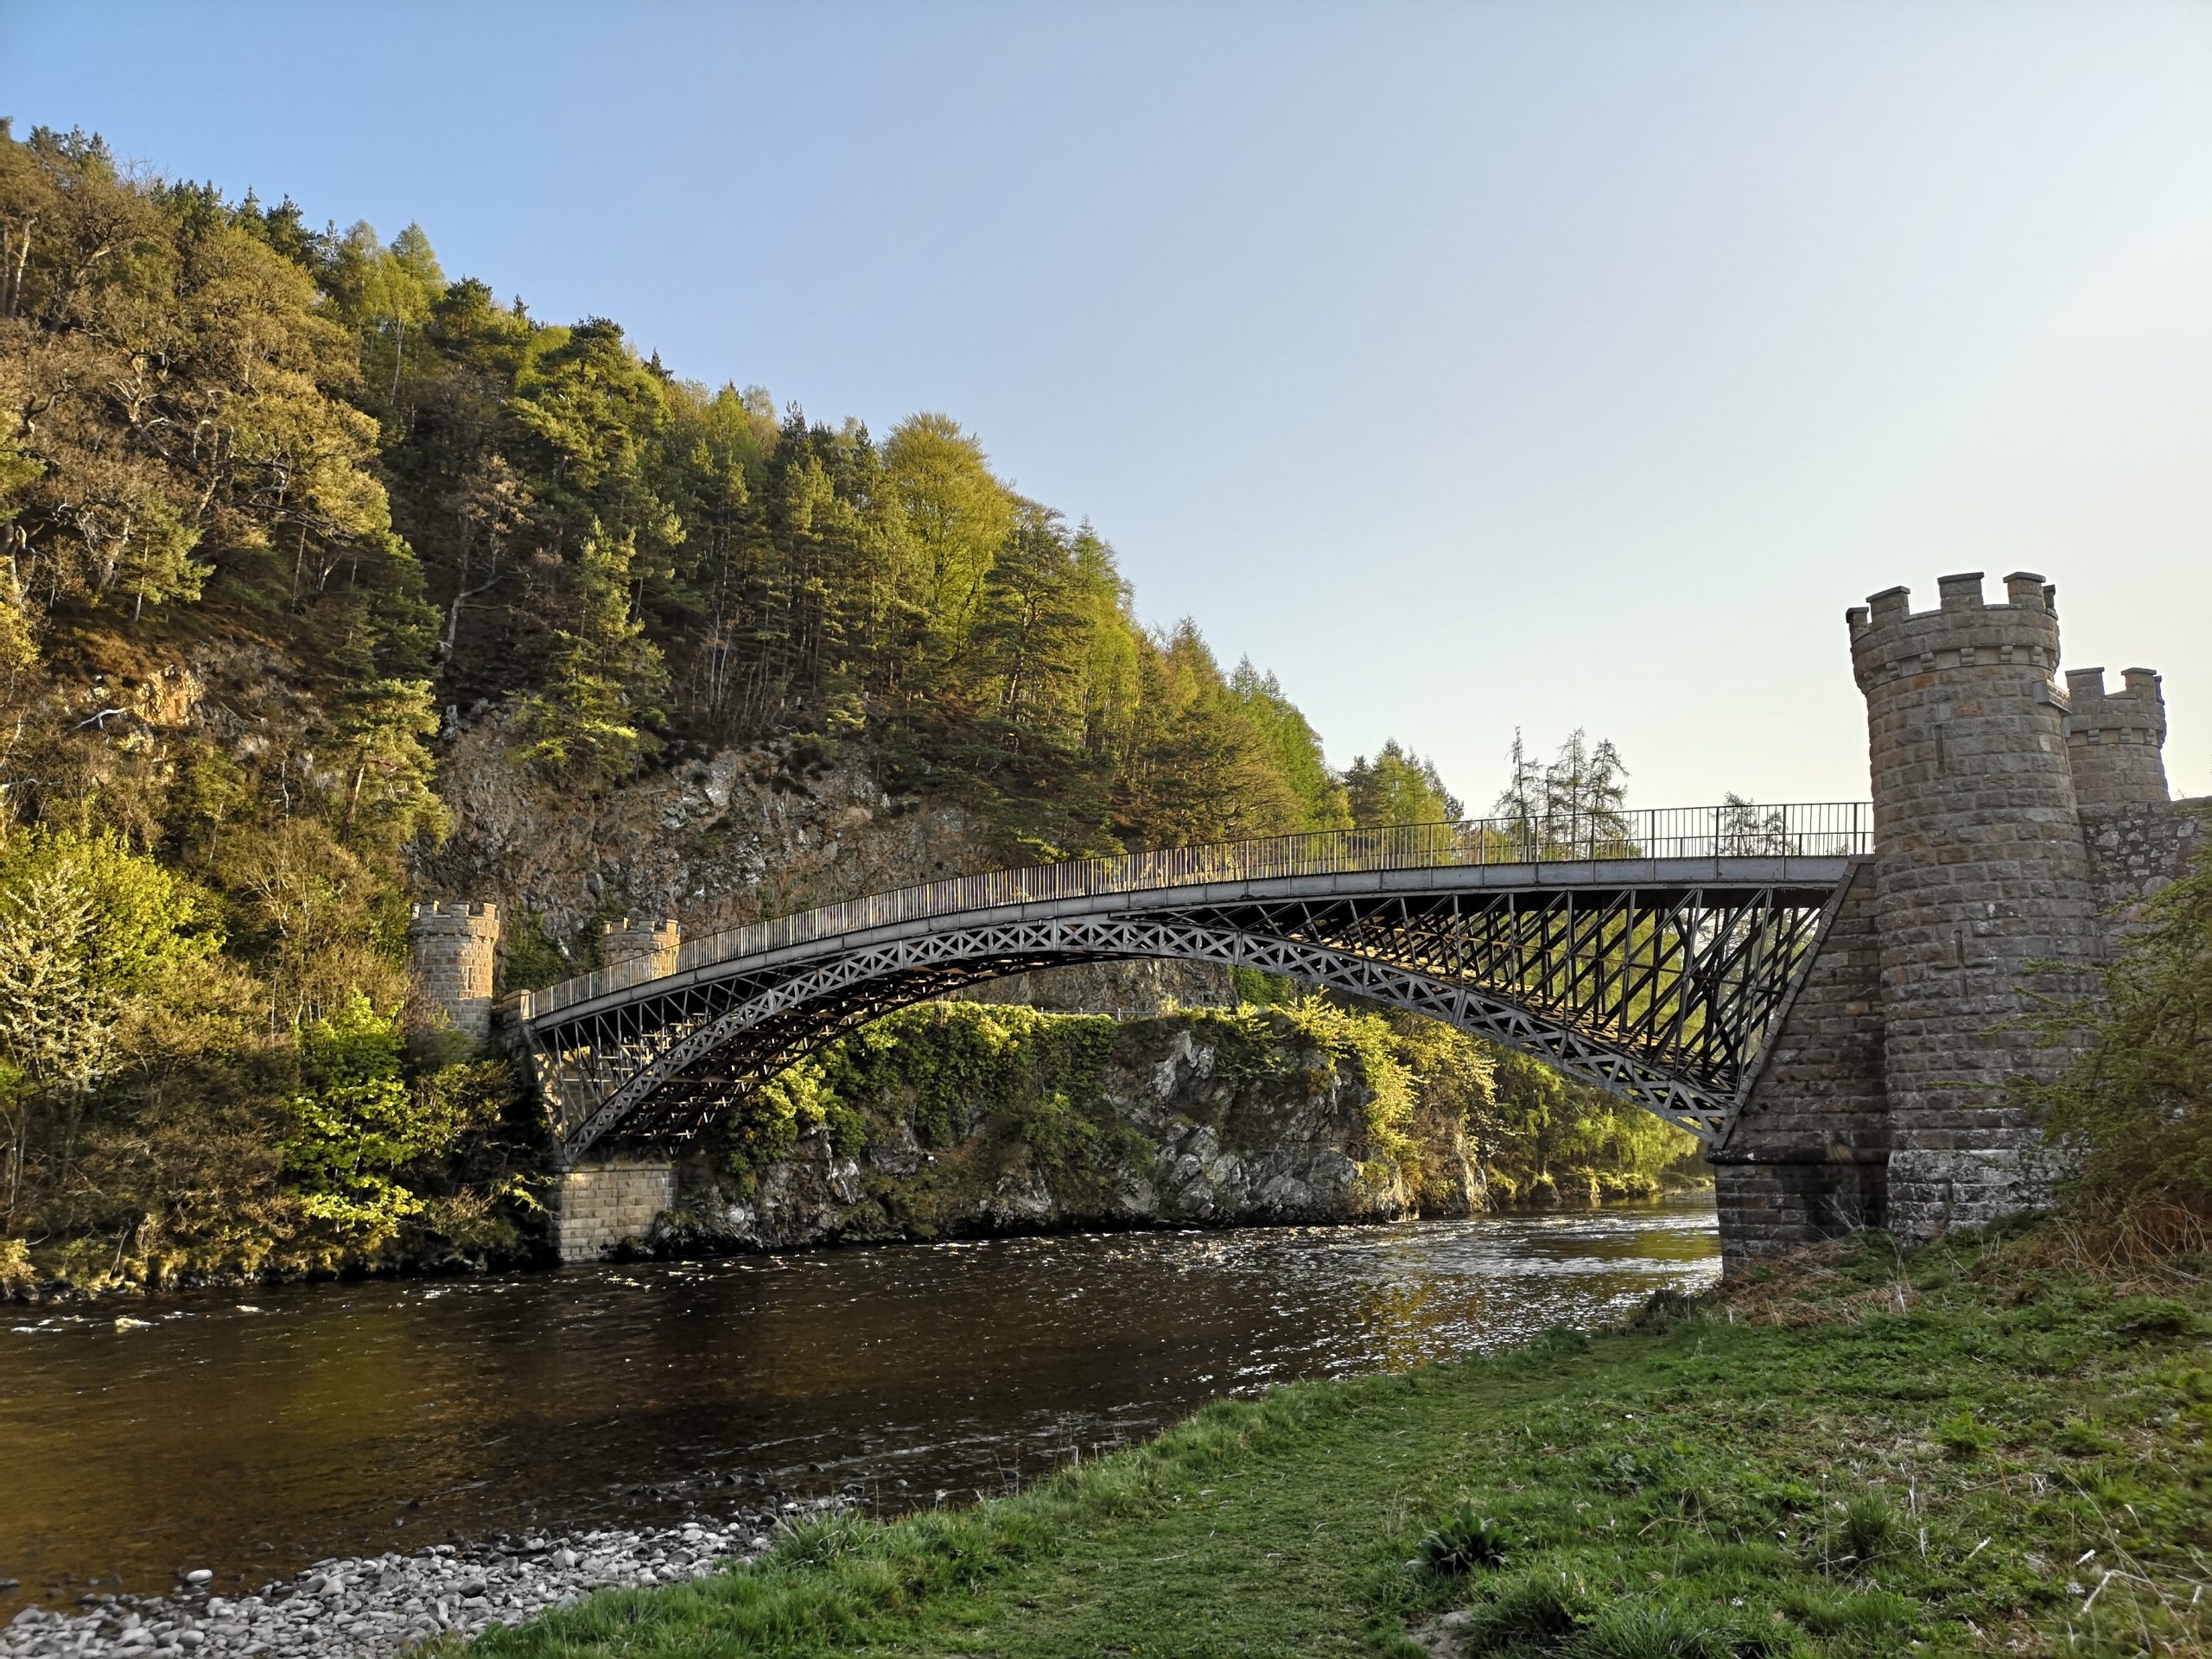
[(1200, 1118), (722, 838)]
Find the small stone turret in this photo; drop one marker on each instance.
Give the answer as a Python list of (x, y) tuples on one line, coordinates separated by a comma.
[(451, 949), (1981, 871), (2116, 739), (645, 949)]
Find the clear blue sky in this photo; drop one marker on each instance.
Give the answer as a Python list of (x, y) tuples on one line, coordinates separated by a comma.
[(1472, 367)]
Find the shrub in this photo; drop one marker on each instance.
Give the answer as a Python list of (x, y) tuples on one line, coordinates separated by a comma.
[(1962, 1437), (2134, 1113), (2082, 1439), (16, 1275)]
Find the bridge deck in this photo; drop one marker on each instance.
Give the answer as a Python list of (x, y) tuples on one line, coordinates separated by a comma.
[(1813, 877), (1511, 847)]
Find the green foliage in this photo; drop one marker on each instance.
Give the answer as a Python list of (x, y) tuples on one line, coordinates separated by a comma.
[(1570, 804), (1547, 1138), (1530, 1612), (1961, 1437), (353, 1124), (1258, 988), (2135, 1111), (1869, 1530), (1398, 787), (382, 725), (587, 726), (90, 935), (533, 960), (1338, 1036), (1646, 1629), (366, 1139), (1321, 794), (942, 1067)]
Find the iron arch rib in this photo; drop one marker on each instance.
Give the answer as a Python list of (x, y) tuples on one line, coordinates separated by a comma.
[(1660, 990)]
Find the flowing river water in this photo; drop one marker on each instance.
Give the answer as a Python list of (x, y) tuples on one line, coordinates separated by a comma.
[(252, 1433)]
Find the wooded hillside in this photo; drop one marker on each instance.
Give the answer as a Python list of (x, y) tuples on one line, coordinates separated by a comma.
[(287, 514)]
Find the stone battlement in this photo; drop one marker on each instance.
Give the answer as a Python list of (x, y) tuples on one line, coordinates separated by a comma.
[(453, 948), (454, 916), (2115, 740), (655, 945), (1890, 641)]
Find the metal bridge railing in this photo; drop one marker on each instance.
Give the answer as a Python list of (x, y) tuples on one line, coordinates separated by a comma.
[(1819, 829)]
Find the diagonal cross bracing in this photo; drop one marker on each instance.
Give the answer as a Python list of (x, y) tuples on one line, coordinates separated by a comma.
[(1655, 979)]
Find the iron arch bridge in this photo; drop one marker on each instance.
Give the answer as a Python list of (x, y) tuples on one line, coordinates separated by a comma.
[(1650, 953)]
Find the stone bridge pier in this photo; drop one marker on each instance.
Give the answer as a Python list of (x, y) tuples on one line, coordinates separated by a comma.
[(2014, 822), (606, 1201), (601, 1203)]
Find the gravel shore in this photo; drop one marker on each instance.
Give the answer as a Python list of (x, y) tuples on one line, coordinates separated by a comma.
[(382, 1604)]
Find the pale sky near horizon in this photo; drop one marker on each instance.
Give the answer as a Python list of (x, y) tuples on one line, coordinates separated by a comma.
[(1470, 366)]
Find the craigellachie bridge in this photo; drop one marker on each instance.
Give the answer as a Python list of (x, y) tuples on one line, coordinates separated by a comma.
[(1822, 993)]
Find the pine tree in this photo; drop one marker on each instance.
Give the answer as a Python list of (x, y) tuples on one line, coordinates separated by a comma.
[(605, 679)]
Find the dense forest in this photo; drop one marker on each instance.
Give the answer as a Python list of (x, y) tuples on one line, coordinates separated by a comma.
[(287, 511)]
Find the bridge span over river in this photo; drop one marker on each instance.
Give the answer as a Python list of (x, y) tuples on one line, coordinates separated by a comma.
[(1824, 993), (1647, 954)]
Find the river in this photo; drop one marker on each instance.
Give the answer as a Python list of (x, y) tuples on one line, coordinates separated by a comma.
[(251, 1432)]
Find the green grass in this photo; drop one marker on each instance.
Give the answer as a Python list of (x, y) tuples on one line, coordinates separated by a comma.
[(1867, 1453)]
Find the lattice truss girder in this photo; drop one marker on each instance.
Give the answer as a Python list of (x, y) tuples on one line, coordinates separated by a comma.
[(1661, 996)]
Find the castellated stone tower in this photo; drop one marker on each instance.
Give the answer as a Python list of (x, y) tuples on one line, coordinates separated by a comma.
[(2015, 825), (2115, 741), (451, 948), (646, 949), (1981, 870)]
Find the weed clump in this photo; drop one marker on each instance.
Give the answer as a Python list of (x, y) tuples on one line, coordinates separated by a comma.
[(1466, 1541), (1962, 1438), (1665, 1309), (1533, 1610), (1869, 1530), (1661, 1629)]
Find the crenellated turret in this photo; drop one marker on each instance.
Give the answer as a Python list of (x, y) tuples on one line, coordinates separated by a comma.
[(1981, 875), (452, 948), (2115, 741), (646, 949)]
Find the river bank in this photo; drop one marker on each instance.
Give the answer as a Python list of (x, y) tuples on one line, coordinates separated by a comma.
[(380, 1604), (255, 1436), (970, 1120), (1969, 1448)]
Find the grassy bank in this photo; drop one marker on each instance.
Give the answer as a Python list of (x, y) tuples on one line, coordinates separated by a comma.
[(1968, 1449)]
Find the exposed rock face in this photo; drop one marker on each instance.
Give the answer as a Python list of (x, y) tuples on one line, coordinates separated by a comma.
[(735, 837), (1190, 1131), (714, 841), (1120, 988)]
